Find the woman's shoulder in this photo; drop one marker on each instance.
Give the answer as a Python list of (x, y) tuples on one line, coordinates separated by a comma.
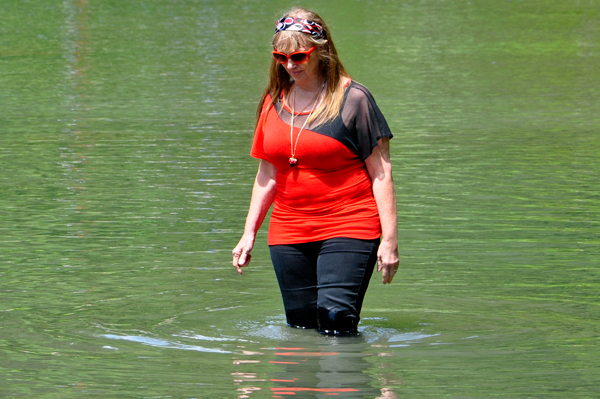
[(267, 102), (357, 93), (267, 98), (357, 89)]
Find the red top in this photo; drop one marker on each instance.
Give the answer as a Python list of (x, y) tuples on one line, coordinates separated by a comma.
[(328, 193)]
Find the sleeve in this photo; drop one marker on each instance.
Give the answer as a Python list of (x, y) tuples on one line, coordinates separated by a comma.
[(368, 123), (258, 150)]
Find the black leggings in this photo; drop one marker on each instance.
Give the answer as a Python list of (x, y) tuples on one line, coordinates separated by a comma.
[(323, 283)]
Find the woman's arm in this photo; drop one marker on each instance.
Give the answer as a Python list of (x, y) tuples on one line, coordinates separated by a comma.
[(379, 167), (262, 198)]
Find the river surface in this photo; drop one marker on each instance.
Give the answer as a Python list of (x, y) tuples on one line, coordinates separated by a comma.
[(125, 129)]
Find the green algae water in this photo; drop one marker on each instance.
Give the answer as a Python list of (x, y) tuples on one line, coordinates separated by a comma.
[(125, 128)]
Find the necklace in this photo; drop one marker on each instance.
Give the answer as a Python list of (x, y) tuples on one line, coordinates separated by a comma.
[(293, 160)]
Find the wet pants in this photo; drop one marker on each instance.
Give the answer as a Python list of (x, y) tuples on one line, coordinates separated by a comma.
[(323, 283)]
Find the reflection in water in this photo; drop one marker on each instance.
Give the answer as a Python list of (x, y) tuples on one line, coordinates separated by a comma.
[(303, 363), (316, 366)]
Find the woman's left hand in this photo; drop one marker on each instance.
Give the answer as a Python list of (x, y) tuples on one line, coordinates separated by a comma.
[(388, 260), (379, 166)]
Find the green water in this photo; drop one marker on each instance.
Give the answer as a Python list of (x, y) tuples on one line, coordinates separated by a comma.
[(125, 128)]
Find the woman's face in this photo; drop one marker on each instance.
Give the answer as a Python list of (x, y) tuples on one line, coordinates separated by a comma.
[(306, 73)]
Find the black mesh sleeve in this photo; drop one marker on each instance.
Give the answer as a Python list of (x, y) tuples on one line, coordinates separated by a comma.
[(364, 119)]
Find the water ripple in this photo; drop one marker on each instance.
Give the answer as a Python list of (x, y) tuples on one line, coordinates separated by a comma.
[(159, 343)]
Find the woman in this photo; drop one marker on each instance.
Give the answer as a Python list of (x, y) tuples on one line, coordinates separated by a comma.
[(323, 147)]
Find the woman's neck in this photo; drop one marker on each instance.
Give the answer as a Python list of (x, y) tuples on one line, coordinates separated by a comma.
[(308, 88), (304, 95)]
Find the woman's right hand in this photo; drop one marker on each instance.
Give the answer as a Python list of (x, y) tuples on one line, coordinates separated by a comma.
[(262, 198), (241, 253)]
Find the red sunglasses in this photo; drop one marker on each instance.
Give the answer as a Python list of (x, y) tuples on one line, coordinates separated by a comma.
[(297, 57)]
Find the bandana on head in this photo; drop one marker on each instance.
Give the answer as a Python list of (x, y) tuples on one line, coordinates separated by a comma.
[(300, 25)]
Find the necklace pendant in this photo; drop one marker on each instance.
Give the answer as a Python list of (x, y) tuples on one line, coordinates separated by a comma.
[(293, 161)]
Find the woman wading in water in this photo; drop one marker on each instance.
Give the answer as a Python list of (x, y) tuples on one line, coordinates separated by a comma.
[(323, 146)]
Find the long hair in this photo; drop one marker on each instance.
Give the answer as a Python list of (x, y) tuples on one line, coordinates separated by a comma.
[(330, 66)]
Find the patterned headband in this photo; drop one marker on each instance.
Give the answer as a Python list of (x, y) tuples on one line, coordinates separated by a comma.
[(300, 25)]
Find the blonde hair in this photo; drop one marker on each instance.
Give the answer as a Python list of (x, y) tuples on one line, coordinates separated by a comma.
[(330, 66)]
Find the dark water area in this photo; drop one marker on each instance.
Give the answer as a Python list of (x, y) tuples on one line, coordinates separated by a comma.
[(125, 129)]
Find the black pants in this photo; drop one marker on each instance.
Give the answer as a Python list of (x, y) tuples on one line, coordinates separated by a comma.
[(323, 283)]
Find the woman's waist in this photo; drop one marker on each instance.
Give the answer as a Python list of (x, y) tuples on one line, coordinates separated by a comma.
[(314, 203), (317, 187), (315, 199)]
